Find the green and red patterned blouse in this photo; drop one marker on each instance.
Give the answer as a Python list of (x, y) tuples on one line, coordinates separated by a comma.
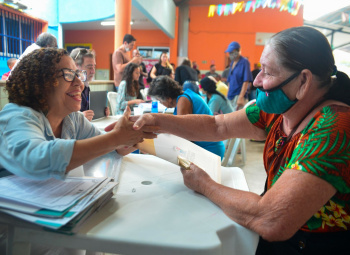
[(322, 148)]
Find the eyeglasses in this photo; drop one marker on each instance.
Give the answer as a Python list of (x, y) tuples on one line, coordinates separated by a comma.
[(69, 74)]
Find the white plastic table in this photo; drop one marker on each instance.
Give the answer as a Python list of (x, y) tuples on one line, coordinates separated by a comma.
[(153, 212)]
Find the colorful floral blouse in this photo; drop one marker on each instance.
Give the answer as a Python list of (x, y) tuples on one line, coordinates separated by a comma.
[(322, 148)]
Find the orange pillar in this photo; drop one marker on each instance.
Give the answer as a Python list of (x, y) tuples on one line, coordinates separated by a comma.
[(122, 21)]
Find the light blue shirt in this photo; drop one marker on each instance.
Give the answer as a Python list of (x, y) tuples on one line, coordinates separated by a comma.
[(218, 105), (29, 147), (123, 98)]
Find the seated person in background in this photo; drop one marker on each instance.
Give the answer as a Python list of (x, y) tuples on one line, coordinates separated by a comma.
[(143, 70), (129, 89), (220, 86), (85, 61), (163, 67), (170, 94), (10, 63), (216, 101), (212, 72), (225, 73), (303, 112), (42, 133)]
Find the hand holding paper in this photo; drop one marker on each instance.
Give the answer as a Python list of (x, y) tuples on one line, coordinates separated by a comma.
[(169, 147)]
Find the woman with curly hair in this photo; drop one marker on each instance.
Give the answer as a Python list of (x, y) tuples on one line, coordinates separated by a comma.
[(129, 91), (42, 134), (170, 94)]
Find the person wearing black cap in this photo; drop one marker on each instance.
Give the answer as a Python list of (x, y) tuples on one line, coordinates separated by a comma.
[(239, 76)]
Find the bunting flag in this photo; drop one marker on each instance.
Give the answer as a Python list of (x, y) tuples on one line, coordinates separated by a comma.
[(292, 6)]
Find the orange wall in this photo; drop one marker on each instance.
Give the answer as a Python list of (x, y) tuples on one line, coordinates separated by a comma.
[(103, 42), (209, 37)]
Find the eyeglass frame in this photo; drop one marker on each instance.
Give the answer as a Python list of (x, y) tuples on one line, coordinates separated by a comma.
[(77, 74)]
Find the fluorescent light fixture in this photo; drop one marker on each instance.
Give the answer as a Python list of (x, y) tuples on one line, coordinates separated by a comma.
[(112, 22), (108, 23)]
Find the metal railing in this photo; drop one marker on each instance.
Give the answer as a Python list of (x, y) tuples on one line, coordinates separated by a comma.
[(17, 32)]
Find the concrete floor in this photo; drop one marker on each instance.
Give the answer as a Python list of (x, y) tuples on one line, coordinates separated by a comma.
[(253, 168)]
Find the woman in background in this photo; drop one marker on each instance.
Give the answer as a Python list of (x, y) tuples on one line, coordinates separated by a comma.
[(129, 91), (216, 101), (163, 67), (170, 94)]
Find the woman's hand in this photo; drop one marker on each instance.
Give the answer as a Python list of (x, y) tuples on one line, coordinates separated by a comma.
[(126, 134), (143, 120), (196, 178), (136, 101)]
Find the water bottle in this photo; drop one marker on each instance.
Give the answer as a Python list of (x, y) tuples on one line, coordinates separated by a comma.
[(154, 108)]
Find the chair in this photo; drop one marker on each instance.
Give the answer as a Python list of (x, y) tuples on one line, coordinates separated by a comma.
[(144, 93), (232, 146), (112, 99)]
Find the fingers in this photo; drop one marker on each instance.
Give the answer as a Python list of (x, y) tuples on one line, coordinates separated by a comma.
[(138, 124), (147, 135), (151, 129), (110, 127), (127, 112)]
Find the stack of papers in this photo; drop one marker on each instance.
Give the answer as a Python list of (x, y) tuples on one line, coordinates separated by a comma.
[(54, 204)]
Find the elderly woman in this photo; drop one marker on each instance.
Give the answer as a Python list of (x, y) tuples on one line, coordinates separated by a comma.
[(171, 95), (303, 112), (42, 133)]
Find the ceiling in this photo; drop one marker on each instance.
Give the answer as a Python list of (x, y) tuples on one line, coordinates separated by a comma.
[(139, 22), (334, 25), (139, 19)]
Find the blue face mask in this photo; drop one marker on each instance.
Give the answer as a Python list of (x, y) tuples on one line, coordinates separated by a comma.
[(274, 100)]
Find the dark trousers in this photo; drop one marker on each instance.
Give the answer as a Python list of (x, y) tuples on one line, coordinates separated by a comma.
[(308, 243)]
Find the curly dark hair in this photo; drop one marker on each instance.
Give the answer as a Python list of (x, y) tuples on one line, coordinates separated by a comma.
[(164, 87), (33, 79), (132, 87)]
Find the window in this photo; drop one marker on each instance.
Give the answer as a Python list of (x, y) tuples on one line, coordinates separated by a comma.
[(153, 52), (17, 32)]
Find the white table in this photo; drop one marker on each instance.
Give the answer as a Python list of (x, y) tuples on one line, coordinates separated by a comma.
[(151, 213)]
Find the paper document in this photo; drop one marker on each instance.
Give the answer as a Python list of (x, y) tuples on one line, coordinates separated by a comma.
[(168, 147), (51, 194)]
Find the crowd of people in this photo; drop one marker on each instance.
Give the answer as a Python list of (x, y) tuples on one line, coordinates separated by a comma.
[(301, 111)]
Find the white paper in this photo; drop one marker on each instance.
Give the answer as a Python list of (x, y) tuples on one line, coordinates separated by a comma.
[(50, 194), (74, 212), (168, 147)]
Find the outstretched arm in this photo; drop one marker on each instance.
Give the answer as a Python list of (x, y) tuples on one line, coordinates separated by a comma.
[(203, 127)]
